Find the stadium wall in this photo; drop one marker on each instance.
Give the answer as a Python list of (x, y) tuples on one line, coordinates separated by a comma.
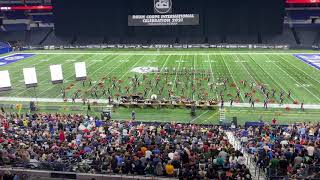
[(5, 48)]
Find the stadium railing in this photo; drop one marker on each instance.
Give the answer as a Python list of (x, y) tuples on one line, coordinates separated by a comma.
[(66, 170), (311, 172)]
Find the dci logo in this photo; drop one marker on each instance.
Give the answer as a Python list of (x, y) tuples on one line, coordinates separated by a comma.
[(162, 6)]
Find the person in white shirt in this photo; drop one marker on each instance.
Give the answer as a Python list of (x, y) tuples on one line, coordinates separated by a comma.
[(310, 150), (148, 154)]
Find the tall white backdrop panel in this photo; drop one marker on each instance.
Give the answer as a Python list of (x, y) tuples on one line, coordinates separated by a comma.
[(5, 81), (30, 76), (56, 72)]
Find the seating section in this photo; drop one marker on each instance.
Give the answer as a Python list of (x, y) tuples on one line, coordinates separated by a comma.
[(84, 144), (15, 27), (37, 35), (286, 37), (165, 40), (284, 152), (88, 40), (12, 36), (52, 39), (191, 40), (307, 35), (242, 39)]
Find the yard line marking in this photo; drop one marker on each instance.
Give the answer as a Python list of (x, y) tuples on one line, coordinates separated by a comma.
[(94, 62), (281, 87), (245, 68), (175, 78), (40, 75), (171, 53), (209, 59), (24, 62), (254, 79), (194, 74), (70, 71), (199, 116), (103, 66), (299, 69), (132, 66), (241, 95), (163, 66), (115, 67), (295, 80)]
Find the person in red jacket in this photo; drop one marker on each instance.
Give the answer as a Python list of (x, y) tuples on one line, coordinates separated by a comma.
[(61, 136)]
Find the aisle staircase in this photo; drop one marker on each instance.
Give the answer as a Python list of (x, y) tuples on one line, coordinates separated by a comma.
[(222, 115)]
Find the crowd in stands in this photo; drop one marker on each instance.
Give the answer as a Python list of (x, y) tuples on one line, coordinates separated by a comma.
[(80, 143), (284, 151)]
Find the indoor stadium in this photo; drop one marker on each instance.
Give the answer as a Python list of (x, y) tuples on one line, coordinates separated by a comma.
[(159, 89)]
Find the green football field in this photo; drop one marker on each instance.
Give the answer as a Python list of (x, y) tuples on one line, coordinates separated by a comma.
[(194, 75)]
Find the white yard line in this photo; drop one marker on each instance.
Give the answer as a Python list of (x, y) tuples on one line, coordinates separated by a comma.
[(40, 75), (109, 61), (105, 64), (281, 87), (175, 78), (15, 78), (67, 76), (294, 79), (300, 69), (194, 73), (199, 116), (245, 68), (213, 80), (132, 67), (241, 95), (161, 70)]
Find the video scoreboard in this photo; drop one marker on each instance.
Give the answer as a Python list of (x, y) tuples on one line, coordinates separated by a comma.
[(163, 16)]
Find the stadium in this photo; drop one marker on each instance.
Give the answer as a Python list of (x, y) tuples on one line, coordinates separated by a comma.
[(159, 89)]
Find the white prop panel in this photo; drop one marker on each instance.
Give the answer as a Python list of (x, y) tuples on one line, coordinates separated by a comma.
[(80, 69), (5, 79), (56, 73), (30, 76)]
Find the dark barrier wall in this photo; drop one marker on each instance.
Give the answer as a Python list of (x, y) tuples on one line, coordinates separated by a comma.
[(217, 17)]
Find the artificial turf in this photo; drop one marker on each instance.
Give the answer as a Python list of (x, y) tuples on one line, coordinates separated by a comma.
[(278, 70)]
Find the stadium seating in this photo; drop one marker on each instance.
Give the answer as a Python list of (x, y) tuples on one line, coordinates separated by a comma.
[(38, 35), (286, 37), (88, 40), (307, 35), (52, 39), (77, 143), (242, 39), (284, 151)]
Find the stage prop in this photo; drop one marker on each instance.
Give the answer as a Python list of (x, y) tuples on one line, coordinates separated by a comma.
[(30, 77), (81, 71), (5, 82), (56, 74)]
